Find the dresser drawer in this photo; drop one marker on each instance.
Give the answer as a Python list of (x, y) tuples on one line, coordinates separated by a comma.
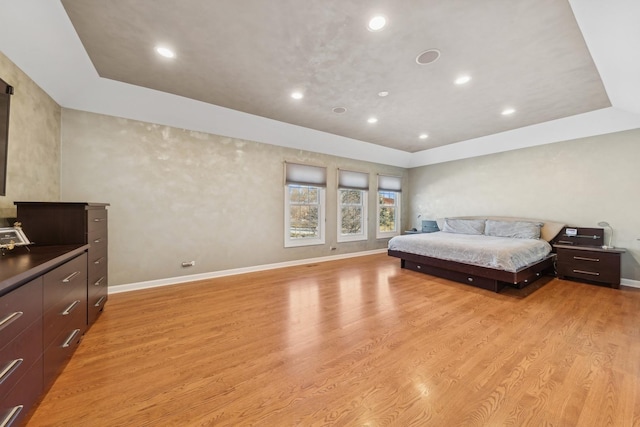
[(98, 239), (19, 309), (97, 264), (96, 220), (98, 296), (19, 401), (59, 352), (18, 356), (60, 282), (68, 314)]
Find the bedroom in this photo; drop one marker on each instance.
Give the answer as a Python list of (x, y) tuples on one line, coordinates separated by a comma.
[(583, 179)]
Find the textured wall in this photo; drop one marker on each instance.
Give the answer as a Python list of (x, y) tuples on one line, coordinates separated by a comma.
[(33, 163), (580, 182), (178, 195)]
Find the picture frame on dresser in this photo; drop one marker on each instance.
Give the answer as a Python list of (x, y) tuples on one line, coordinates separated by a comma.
[(11, 237)]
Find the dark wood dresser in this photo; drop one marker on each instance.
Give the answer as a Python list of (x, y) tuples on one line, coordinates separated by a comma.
[(43, 300), (62, 223)]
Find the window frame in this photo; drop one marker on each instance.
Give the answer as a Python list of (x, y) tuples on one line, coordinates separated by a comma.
[(304, 175), (389, 184), (341, 238)]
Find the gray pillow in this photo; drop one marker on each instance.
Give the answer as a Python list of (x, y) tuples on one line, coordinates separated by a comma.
[(513, 229), (463, 226)]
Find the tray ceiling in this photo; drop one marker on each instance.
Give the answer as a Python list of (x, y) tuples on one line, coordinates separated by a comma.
[(251, 55)]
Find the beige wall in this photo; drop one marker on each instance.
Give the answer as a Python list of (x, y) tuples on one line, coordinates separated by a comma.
[(33, 162), (178, 195), (580, 182)]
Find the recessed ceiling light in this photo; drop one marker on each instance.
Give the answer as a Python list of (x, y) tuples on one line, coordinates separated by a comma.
[(297, 95), (377, 23), (428, 56), (339, 110), (383, 93), (508, 111), (372, 120), (462, 80), (165, 51), (423, 136)]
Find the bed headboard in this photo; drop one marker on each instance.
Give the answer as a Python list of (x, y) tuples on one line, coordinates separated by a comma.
[(549, 230)]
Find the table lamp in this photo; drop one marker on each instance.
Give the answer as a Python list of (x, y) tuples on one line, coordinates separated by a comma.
[(606, 224)]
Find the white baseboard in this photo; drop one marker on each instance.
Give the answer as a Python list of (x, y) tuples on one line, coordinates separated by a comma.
[(214, 274), (630, 283)]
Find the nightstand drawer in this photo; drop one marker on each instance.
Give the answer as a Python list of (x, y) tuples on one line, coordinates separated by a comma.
[(588, 257), (588, 273)]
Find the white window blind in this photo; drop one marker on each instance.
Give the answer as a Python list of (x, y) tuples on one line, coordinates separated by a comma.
[(389, 183), (353, 180), (305, 174)]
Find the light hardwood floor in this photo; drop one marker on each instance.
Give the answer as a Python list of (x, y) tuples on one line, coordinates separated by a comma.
[(353, 343)]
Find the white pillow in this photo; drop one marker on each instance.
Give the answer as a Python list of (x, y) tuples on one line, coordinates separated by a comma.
[(463, 226), (513, 229)]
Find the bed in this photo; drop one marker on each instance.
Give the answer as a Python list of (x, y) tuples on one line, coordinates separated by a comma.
[(486, 252)]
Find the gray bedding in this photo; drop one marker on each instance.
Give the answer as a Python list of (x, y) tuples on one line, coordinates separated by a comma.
[(503, 253)]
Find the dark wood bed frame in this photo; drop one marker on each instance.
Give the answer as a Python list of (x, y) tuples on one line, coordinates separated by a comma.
[(481, 277)]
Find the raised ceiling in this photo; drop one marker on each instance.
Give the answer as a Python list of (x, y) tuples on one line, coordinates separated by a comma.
[(250, 55), (40, 38)]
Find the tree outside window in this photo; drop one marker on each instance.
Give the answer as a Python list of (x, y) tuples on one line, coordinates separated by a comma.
[(304, 212), (388, 210), (352, 215)]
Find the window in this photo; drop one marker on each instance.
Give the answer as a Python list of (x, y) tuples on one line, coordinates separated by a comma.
[(304, 205), (353, 189), (389, 188)]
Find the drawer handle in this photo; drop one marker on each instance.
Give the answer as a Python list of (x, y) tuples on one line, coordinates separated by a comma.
[(98, 240), (592, 273), (11, 416), (9, 369), (70, 277), (67, 343), (98, 261), (99, 219), (70, 308), (99, 282), (581, 258), (10, 319), (99, 303)]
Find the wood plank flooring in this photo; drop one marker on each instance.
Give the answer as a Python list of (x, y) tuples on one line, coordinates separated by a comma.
[(355, 342)]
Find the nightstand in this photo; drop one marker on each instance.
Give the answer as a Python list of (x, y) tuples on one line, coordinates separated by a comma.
[(412, 232), (590, 263)]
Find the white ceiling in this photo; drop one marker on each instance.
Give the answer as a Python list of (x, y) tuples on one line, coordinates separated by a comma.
[(233, 76)]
